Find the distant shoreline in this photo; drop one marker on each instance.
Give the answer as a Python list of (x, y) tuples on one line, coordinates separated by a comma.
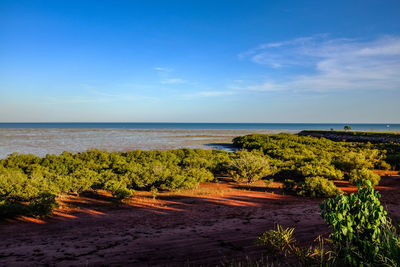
[(42, 141), (395, 127)]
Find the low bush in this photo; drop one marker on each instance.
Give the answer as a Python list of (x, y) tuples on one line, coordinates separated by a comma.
[(383, 165), (394, 160), (10, 209), (118, 189), (352, 160), (360, 176), (311, 186), (315, 169), (250, 166), (43, 205), (317, 187), (40, 206)]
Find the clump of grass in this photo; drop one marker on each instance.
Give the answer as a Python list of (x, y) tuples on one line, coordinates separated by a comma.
[(281, 243)]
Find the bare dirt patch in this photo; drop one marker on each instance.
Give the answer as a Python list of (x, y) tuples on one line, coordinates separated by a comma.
[(206, 226)]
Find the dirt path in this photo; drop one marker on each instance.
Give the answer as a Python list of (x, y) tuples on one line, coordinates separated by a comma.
[(206, 226)]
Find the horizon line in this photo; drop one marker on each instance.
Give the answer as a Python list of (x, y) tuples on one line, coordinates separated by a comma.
[(148, 122)]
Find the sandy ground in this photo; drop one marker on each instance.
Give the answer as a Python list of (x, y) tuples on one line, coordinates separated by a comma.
[(210, 225)]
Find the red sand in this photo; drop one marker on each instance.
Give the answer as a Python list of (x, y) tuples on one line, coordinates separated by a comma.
[(210, 225)]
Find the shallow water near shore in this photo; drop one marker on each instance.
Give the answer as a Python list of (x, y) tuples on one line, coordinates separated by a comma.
[(54, 138), (54, 141)]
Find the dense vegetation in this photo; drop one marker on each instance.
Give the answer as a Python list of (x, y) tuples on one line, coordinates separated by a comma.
[(29, 184), (305, 165)]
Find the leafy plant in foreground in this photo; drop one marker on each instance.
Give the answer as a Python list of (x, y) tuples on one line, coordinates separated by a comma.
[(359, 225), (362, 235)]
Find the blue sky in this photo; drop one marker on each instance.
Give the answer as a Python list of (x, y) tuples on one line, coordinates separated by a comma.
[(200, 61)]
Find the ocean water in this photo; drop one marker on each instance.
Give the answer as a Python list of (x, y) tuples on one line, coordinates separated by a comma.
[(204, 126), (54, 138)]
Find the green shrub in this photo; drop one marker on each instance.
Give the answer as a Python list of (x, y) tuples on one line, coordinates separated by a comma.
[(360, 176), (394, 159), (118, 189), (43, 205), (311, 186), (361, 231), (82, 180), (317, 187), (352, 160), (40, 206), (383, 165), (13, 185), (250, 166), (151, 174), (194, 176), (10, 209), (197, 158), (362, 235), (327, 171)]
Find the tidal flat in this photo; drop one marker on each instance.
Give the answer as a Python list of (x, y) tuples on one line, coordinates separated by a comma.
[(44, 141)]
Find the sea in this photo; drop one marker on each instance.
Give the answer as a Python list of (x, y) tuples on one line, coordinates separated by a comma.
[(54, 138)]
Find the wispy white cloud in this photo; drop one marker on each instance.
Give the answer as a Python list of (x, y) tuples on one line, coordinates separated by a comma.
[(91, 94), (215, 93), (210, 94), (173, 81), (51, 100), (163, 69), (331, 64), (166, 77)]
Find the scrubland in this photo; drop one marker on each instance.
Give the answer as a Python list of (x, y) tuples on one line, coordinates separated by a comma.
[(220, 201)]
